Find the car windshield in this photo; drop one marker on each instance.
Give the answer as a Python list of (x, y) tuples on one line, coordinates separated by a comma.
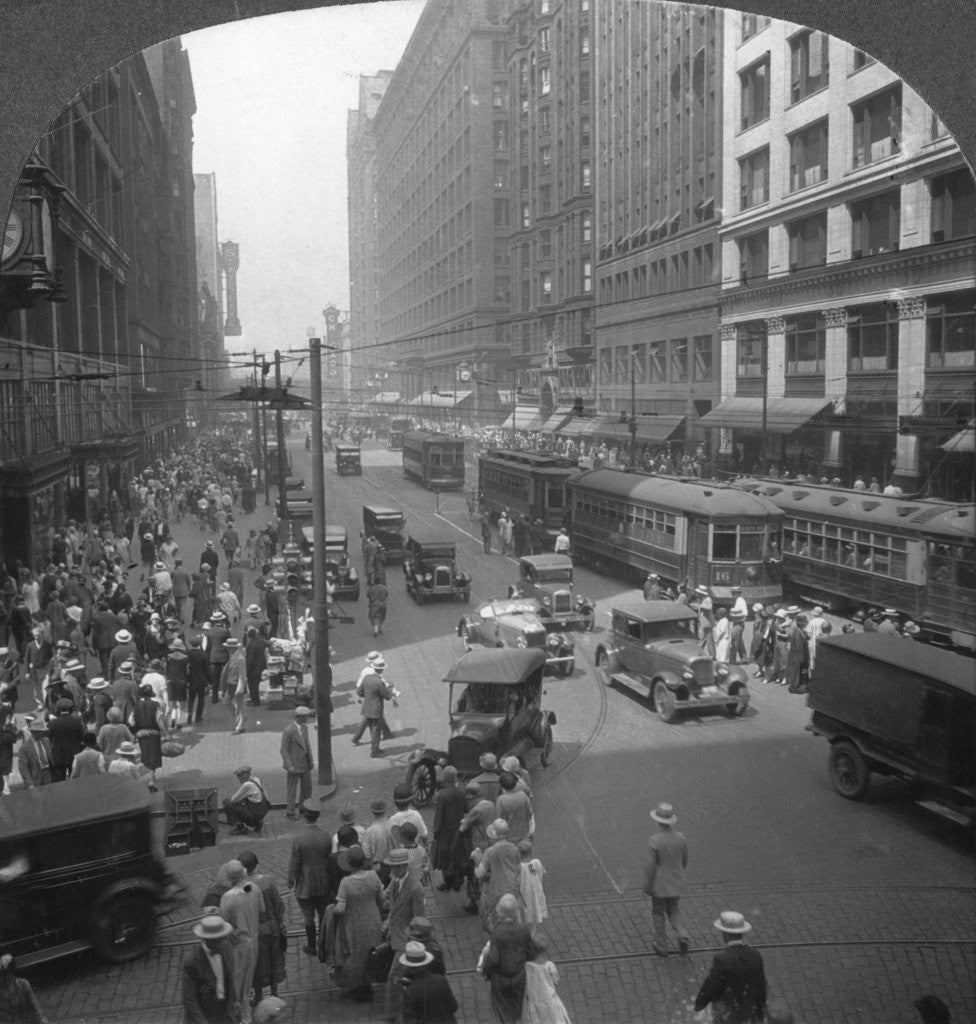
[(554, 575), (480, 698)]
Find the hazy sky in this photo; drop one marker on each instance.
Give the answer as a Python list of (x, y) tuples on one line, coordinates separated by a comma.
[(272, 99)]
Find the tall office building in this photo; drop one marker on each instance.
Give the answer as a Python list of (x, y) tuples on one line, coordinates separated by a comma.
[(848, 255), (658, 190)]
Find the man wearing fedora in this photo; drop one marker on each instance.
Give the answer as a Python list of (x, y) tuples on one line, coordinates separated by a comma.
[(34, 756), (376, 691), (427, 995), (297, 760), (405, 900), (378, 840), (736, 983), (208, 977), (307, 871), (664, 878)]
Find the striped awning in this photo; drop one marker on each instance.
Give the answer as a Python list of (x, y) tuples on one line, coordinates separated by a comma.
[(525, 417), (783, 415)]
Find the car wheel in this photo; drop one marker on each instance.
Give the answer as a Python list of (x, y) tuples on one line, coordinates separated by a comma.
[(664, 703), (423, 780), (738, 708), (849, 772), (603, 668), (545, 755), (123, 927)]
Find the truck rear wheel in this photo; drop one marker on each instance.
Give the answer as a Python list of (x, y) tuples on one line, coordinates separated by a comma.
[(849, 772)]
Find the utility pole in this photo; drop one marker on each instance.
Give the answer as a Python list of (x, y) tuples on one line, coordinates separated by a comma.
[(282, 458), (256, 418), (633, 410), (321, 664)]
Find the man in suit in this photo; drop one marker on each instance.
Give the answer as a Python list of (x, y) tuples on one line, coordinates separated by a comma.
[(208, 980), (104, 626), (297, 760), (427, 996), (736, 984), (307, 873), (199, 679), (34, 756), (376, 690), (405, 900), (123, 689), (67, 737), (664, 878)]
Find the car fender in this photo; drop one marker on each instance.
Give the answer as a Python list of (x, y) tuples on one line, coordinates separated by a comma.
[(612, 656), (429, 754), (670, 679)]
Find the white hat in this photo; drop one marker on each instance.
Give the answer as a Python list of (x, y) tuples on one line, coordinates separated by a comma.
[(702, 589), (373, 656), (758, 608), (302, 710), (379, 663), (253, 609), (817, 610), (123, 636), (212, 927), (415, 954), (732, 923), (664, 814)]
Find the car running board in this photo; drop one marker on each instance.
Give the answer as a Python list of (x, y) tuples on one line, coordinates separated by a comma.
[(945, 812)]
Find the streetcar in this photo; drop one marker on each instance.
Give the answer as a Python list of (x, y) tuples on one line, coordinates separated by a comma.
[(692, 532), (529, 483), (434, 460), (843, 548), (398, 427)]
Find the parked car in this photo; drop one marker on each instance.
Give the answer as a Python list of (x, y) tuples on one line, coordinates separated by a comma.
[(295, 483), (895, 707), (345, 577), (494, 706), (386, 525), (654, 650), (515, 622), (549, 579), (348, 459), (299, 505), (79, 869), (430, 569)]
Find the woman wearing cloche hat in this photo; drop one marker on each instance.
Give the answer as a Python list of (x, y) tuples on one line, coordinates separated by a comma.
[(736, 984)]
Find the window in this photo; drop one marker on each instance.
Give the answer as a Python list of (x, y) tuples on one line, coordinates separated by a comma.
[(587, 276), (679, 359), (622, 364), (544, 120), (872, 338), (524, 178), (754, 179), (545, 244), (875, 225), (877, 127), (503, 292), (861, 60), (545, 158), (953, 205), (950, 327), (526, 217), (501, 136), (606, 365), (585, 43), (657, 352), (808, 241), (584, 131), (545, 198), (754, 94), (753, 24), (501, 213), (544, 81), (584, 86), (750, 352), (545, 285), (809, 64), (543, 6), (754, 256), (806, 344), (501, 174), (638, 362), (543, 40), (585, 175), (499, 95), (703, 357), (587, 226), (808, 156)]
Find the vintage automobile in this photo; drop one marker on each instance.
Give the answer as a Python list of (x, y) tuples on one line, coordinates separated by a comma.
[(348, 459), (295, 483), (515, 622), (898, 708), (495, 706), (299, 505), (655, 651), (549, 579), (430, 570), (386, 525), (79, 869), (345, 577)]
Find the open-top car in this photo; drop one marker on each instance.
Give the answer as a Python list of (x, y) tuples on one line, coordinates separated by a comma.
[(431, 572), (495, 706), (654, 650), (514, 622), (348, 459), (386, 525), (79, 869), (549, 579)]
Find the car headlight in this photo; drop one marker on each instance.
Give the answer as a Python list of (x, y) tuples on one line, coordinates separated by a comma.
[(722, 671), (428, 577), (554, 640), (521, 642), (688, 675), (547, 601)]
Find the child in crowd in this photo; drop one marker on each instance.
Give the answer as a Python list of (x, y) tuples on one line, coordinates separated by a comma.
[(531, 894), (542, 1003)]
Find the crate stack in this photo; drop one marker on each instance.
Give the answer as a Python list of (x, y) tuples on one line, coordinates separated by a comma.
[(191, 820)]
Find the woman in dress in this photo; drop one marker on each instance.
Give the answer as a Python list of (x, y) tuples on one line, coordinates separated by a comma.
[(722, 634), (499, 870), (359, 907), (149, 727), (532, 896), (542, 1004)]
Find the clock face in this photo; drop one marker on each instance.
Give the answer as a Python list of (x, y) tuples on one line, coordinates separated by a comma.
[(13, 235)]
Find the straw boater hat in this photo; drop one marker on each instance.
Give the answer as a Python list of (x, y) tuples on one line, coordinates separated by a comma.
[(702, 589), (253, 609), (415, 954), (302, 711), (123, 636), (231, 643), (793, 610), (397, 856), (212, 927), (126, 668), (74, 666), (781, 613), (373, 656), (74, 612), (732, 923), (159, 566), (891, 613), (379, 663), (98, 683), (127, 749), (911, 628), (664, 814), (758, 609)]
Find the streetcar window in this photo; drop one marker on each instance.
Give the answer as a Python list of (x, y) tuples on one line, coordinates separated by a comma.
[(724, 543), (966, 573), (751, 543)]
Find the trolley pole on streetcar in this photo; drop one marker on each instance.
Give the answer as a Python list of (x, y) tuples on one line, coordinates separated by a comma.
[(321, 662)]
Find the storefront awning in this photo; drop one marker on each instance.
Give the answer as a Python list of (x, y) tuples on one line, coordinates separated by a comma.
[(783, 415), (439, 399), (574, 426), (964, 442), (524, 418), (655, 429), (385, 398), (556, 420)]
